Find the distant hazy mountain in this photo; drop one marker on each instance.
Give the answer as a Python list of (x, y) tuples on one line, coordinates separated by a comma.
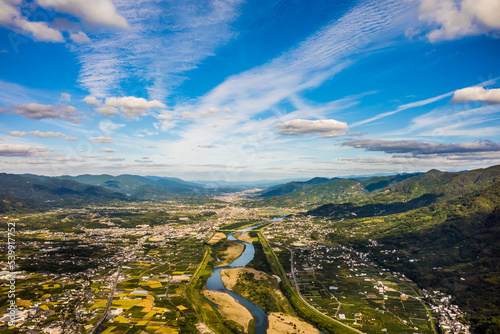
[(29, 192), (248, 184), (293, 186), (140, 187)]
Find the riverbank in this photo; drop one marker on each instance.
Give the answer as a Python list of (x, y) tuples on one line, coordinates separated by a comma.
[(233, 250), (229, 308), (244, 237), (263, 290), (280, 323)]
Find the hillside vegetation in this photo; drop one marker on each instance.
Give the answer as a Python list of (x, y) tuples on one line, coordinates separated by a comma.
[(440, 229)]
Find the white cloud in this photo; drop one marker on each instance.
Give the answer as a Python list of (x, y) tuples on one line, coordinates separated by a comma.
[(11, 17), (477, 93), (40, 30), (417, 148), (65, 97), (38, 134), (92, 101), (188, 115), (306, 66), (325, 128), (455, 20), (164, 117), (401, 108), (107, 150), (209, 112), (79, 37), (112, 159), (196, 29), (8, 10), (108, 127), (254, 96), (101, 140), (70, 138), (107, 111), (8, 150), (67, 159), (41, 111), (131, 106), (95, 13)]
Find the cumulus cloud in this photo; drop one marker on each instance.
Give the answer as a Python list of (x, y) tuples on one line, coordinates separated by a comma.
[(37, 133), (70, 138), (325, 128), (111, 159), (107, 150), (94, 13), (11, 17), (422, 148), (458, 19), (8, 150), (102, 140), (131, 106), (164, 117), (39, 30), (354, 134), (107, 111), (79, 37), (91, 101), (188, 115), (209, 112), (477, 93), (41, 111)]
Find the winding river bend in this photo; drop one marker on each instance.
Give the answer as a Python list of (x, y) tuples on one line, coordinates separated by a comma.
[(215, 281)]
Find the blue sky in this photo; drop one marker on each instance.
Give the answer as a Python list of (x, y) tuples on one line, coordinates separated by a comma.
[(248, 90)]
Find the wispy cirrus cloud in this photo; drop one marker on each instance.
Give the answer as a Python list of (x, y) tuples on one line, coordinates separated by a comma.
[(158, 60), (305, 66), (260, 90), (403, 107)]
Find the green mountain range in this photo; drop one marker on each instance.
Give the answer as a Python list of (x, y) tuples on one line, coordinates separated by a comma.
[(441, 229), (28, 193), (31, 192)]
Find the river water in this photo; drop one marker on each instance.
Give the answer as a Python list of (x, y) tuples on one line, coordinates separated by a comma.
[(215, 281)]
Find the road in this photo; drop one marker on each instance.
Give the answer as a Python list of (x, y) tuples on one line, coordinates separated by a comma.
[(275, 258), (305, 302), (110, 300)]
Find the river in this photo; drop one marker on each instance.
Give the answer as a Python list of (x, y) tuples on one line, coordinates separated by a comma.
[(215, 281)]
